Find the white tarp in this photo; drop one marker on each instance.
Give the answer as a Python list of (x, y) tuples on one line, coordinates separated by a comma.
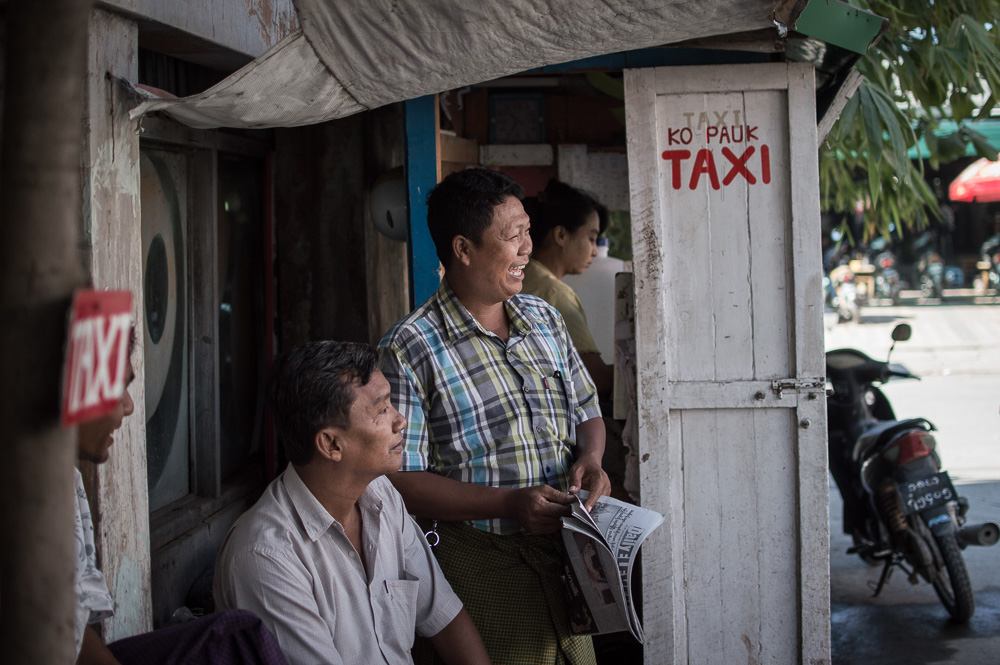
[(354, 55)]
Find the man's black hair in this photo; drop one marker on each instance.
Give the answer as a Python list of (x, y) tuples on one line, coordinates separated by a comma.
[(562, 205), (463, 203), (313, 386)]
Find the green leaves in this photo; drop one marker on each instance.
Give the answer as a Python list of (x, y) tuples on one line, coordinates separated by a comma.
[(938, 61), (983, 147)]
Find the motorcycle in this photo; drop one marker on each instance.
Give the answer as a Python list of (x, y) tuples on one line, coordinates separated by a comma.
[(845, 298), (989, 263), (887, 282), (900, 507), (932, 274)]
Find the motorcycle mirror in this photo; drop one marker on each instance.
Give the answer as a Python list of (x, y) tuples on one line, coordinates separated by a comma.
[(901, 333)]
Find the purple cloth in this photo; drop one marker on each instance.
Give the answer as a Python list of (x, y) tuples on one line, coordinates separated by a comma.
[(235, 637)]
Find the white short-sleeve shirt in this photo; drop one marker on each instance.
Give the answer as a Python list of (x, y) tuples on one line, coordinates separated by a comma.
[(289, 561)]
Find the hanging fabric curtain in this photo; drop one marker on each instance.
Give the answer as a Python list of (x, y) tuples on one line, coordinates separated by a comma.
[(353, 55)]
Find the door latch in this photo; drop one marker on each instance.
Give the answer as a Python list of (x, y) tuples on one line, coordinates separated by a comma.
[(812, 386)]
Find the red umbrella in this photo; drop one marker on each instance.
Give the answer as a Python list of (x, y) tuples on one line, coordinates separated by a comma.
[(978, 183)]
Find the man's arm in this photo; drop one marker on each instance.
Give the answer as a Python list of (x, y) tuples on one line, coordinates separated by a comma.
[(459, 642), (538, 509), (586, 473), (93, 651)]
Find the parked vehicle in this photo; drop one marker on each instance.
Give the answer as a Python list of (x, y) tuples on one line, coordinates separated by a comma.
[(887, 282), (989, 256), (900, 506), (932, 274), (845, 294)]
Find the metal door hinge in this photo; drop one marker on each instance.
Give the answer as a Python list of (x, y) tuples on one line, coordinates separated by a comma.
[(811, 386)]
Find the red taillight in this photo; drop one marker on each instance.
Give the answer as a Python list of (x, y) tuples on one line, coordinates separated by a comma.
[(885, 263), (909, 447)]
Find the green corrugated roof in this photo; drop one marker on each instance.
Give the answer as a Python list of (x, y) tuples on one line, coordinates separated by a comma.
[(990, 128)]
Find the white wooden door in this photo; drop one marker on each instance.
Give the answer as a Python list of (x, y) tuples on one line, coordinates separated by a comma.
[(732, 422)]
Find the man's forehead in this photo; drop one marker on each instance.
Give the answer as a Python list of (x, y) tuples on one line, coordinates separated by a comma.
[(373, 392), (507, 214)]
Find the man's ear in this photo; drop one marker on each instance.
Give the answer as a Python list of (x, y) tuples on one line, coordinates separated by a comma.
[(460, 247), (329, 444), (560, 234)]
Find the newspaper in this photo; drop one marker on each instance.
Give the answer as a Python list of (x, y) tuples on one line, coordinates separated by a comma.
[(601, 547)]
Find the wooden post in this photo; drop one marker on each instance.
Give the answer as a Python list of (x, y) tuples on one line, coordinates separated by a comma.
[(40, 205), (113, 242)]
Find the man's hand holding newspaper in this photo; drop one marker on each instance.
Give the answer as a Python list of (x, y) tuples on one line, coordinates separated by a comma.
[(601, 547)]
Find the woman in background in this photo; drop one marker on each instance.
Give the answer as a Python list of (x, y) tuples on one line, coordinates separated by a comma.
[(565, 224)]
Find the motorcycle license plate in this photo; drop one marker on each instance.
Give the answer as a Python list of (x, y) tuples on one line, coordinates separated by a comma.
[(925, 493)]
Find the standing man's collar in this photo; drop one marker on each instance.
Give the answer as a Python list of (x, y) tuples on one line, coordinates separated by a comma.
[(460, 323)]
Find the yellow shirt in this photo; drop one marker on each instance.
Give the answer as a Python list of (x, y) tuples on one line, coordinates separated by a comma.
[(539, 281)]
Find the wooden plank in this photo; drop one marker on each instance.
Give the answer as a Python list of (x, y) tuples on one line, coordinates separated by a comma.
[(112, 230), (770, 240), (624, 400), (813, 463), (459, 150), (165, 130), (814, 532), (806, 242), (386, 262), (847, 89), (813, 498), (774, 449), (740, 535), (728, 395), (203, 251), (532, 154), (730, 258), (687, 217), (714, 78), (245, 27), (659, 471), (704, 557)]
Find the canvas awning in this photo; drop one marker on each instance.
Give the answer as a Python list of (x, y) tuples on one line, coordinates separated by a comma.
[(978, 183), (353, 55)]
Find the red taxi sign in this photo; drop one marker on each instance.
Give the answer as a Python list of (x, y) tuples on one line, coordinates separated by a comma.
[(97, 354)]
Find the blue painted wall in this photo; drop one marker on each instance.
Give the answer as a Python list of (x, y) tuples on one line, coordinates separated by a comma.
[(421, 176)]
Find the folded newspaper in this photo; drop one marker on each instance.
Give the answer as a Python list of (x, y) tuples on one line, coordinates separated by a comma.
[(601, 547)]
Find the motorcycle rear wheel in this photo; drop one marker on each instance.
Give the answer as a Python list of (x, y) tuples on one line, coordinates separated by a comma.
[(952, 583)]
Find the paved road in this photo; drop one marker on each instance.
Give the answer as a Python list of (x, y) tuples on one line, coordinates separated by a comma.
[(955, 348)]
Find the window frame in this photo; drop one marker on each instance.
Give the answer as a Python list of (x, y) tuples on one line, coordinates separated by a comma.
[(208, 494)]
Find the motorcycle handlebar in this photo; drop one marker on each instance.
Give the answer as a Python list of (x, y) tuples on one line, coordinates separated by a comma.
[(892, 369)]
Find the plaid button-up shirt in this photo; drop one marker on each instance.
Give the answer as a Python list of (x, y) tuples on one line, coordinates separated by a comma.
[(481, 410)]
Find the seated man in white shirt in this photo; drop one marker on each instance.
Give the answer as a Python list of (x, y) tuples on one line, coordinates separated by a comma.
[(328, 557)]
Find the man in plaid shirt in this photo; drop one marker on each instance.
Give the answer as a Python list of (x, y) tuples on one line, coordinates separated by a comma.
[(503, 423)]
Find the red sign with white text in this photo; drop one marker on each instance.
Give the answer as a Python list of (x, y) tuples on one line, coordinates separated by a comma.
[(97, 354)]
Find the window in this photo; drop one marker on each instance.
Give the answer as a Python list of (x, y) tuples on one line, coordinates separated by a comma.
[(207, 316)]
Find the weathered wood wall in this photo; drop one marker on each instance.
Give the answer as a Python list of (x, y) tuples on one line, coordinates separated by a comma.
[(338, 277), (112, 237), (248, 27)]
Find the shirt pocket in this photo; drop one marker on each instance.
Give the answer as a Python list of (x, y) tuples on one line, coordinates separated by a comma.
[(400, 618)]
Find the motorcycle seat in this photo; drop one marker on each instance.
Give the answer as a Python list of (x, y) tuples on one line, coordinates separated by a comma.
[(885, 430)]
